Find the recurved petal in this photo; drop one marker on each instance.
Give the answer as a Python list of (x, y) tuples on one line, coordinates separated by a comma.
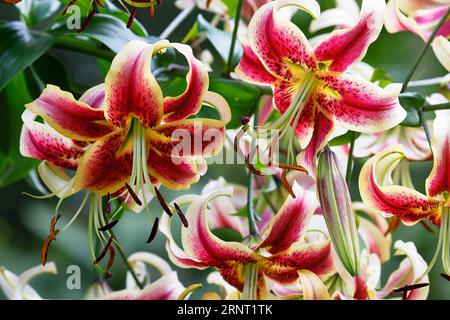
[(197, 81), (397, 21), (40, 141), (288, 226), (441, 48), (251, 69), (107, 164), (408, 273), (130, 87), (71, 118), (95, 96), (284, 266), (168, 287), (176, 254), (199, 242), (276, 40), (360, 105), (408, 204), (345, 47), (438, 182), (313, 287)]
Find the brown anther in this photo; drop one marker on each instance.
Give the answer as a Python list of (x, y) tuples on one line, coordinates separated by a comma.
[(112, 256), (51, 237), (100, 3), (152, 234), (445, 276), (292, 167), (131, 18), (208, 2), (104, 251), (286, 183), (405, 289), (394, 223), (152, 11), (108, 226), (162, 202), (181, 215), (426, 226), (133, 194), (88, 19)]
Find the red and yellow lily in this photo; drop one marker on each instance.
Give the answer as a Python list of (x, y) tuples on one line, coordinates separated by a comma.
[(127, 125), (281, 256), (378, 191), (311, 87)]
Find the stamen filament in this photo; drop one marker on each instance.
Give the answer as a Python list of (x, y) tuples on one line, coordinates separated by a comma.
[(251, 282)]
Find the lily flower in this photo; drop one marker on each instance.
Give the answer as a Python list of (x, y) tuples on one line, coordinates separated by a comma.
[(17, 288), (366, 285), (167, 287), (311, 87), (418, 16), (345, 15), (283, 252), (124, 136), (441, 48), (378, 192)]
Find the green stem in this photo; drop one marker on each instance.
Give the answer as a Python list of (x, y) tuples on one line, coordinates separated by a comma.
[(266, 197), (125, 261), (424, 51), (425, 128), (237, 19), (83, 46), (441, 106), (348, 173), (253, 228)]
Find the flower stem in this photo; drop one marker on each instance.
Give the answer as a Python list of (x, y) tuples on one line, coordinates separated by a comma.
[(253, 228), (266, 197), (83, 46), (441, 106), (176, 22), (424, 51), (348, 173), (425, 129), (237, 19)]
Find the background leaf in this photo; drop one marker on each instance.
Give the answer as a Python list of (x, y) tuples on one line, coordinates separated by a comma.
[(19, 47)]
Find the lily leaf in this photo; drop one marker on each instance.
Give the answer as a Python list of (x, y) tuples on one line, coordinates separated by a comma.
[(412, 102), (19, 47), (221, 40), (344, 139), (34, 12)]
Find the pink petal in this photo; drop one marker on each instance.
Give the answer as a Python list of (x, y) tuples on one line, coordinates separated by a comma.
[(275, 40), (199, 243), (360, 105), (289, 224), (190, 101), (71, 118), (130, 87), (95, 96), (346, 47), (39, 141), (438, 182), (251, 69), (107, 164)]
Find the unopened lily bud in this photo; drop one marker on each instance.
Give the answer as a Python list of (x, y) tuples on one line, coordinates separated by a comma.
[(336, 204)]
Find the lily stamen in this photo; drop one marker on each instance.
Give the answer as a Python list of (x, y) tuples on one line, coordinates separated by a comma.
[(108, 226), (162, 202), (51, 237), (153, 231), (133, 194), (181, 215), (104, 251)]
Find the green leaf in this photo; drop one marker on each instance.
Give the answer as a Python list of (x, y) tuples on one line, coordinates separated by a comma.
[(19, 47), (227, 234), (12, 99), (382, 76), (33, 11), (232, 6), (109, 30), (221, 40), (193, 32), (241, 97), (412, 102), (344, 139)]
